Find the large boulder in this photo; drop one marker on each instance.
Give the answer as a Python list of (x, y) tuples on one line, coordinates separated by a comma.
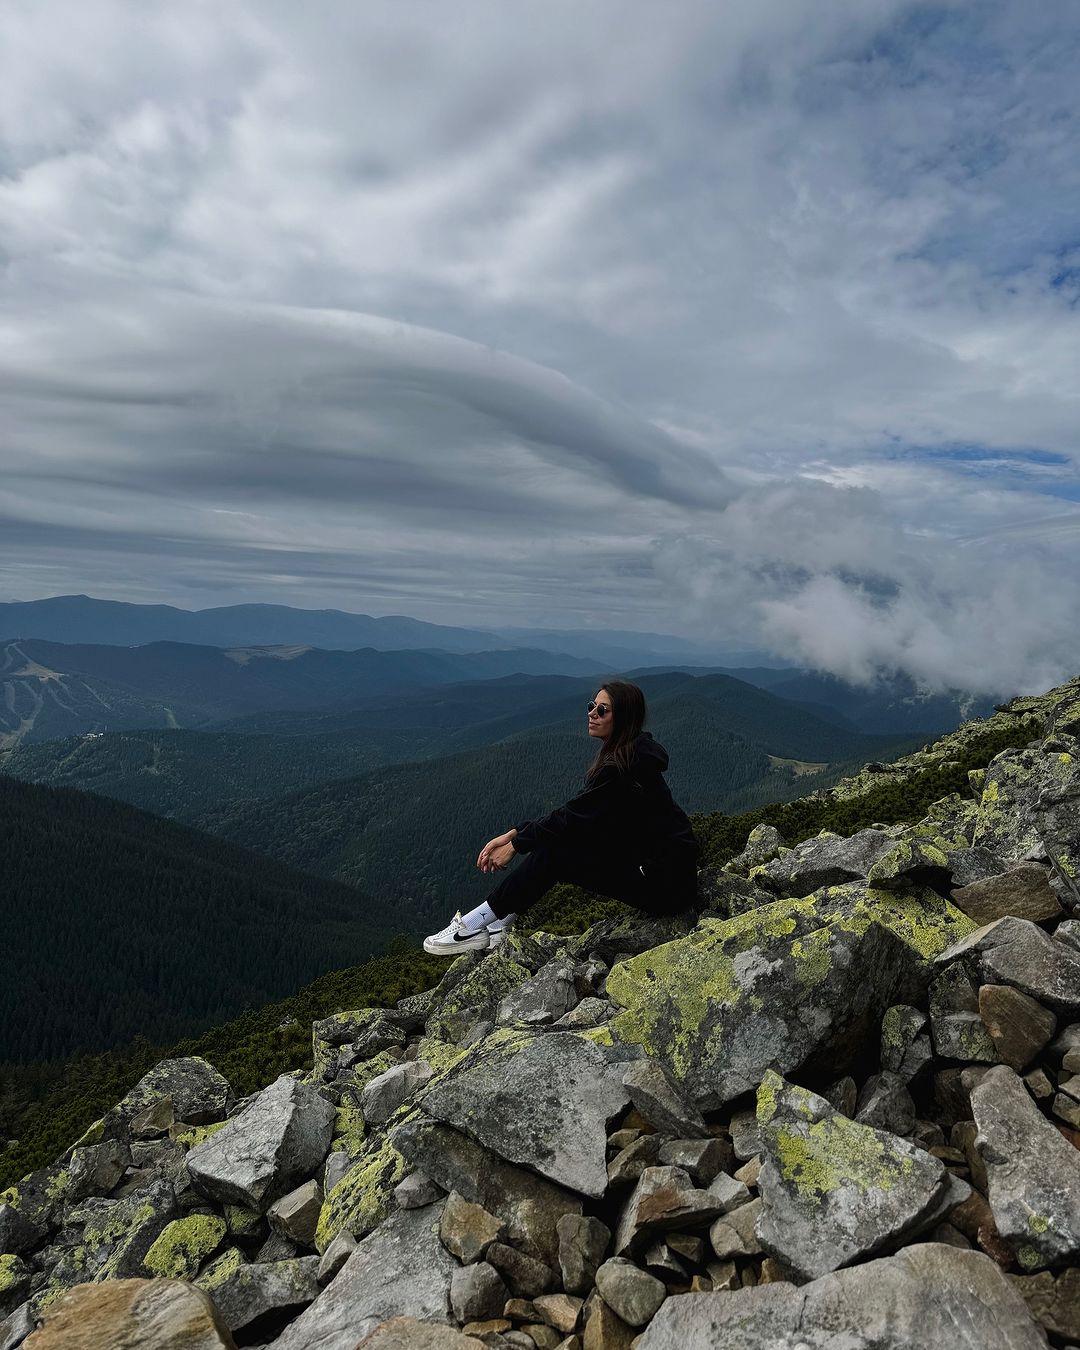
[(530, 1206), (1024, 891), (836, 1191), (399, 1270), (1033, 1173), (540, 1100), (797, 982), (132, 1315), (924, 1298), (1018, 952), (280, 1139), (825, 860), (196, 1092)]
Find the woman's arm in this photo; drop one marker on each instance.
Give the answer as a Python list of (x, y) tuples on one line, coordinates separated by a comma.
[(577, 819)]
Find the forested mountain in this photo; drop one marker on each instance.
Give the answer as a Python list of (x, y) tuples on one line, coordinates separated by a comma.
[(50, 689), (410, 833), (115, 923), (185, 774)]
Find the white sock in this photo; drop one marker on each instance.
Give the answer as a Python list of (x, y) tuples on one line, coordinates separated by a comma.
[(478, 918), (500, 924)]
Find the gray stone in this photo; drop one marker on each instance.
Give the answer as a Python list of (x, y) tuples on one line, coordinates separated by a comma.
[(251, 1292), (583, 1244), (763, 843), (853, 1190), (530, 1206), (959, 1032), (590, 1012), (15, 1328), (1068, 933), (1054, 1303), (401, 1269), (199, 1094), (745, 1135), (468, 1230), (843, 1095), (661, 1102), (97, 1169), (728, 1193), (336, 1255), (560, 1134), (296, 1215), (662, 1261), (279, 1140), (133, 1314), (409, 1333), (798, 984), (722, 894), (925, 1298), (277, 1247), (382, 1095), (1018, 1025), (967, 865), (477, 1291), (337, 1164), (664, 1198), (109, 1238), (1024, 891), (416, 1191), (631, 1293), (736, 1233), (1032, 1172), (886, 1104), (14, 1284), (629, 1163), (825, 860), (1017, 952), (701, 1159), (549, 995), (904, 1049), (366, 1031), (525, 1275)]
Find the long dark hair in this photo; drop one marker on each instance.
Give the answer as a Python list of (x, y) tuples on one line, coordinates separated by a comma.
[(628, 715)]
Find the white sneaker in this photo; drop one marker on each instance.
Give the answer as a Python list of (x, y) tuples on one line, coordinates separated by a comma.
[(497, 935), (452, 940)]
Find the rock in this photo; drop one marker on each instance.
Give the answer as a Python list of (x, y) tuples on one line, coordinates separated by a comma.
[(560, 1311), (109, 1239), (468, 1230), (477, 1291), (365, 1195), (18, 1325), (886, 1104), (749, 1172), (664, 1198), (763, 843), (416, 1191), (252, 1292), (1018, 1025), (562, 1135), (583, 1244), (525, 1275), (97, 1169), (296, 1215), (904, 1049), (336, 1255), (1068, 932), (408, 1333), (1024, 892), (279, 1140), (836, 1191), (701, 1159), (964, 1136), (911, 860), (530, 1206), (590, 1012), (184, 1245), (132, 1315), (973, 864), (722, 895), (629, 1163), (337, 1164), (1033, 1174), (735, 1233), (728, 1192), (542, 1336), (476, 998), (1053, 1303), (663, 1262), (14, 1283), (366, 1031), (924, 1298), (198, 1093), (825, 860), (745, 1135), (154, 1121), (843, 1095), (797, 983), (604, 1328), (1038, 1084), (958, 1030), (661, 1103), (399, 1270), (383, 1094), (548, 995), (632, 1294)]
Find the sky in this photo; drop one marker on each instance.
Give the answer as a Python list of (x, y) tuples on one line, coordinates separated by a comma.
[(755, 323)]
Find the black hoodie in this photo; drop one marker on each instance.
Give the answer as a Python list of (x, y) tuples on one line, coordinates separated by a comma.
[(629, 814)]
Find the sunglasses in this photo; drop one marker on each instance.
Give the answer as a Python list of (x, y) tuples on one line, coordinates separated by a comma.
[(600, 709)]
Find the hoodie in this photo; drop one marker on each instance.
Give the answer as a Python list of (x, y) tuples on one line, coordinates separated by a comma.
[(630, 815)]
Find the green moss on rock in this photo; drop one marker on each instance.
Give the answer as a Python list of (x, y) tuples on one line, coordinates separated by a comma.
[(183, 1245)]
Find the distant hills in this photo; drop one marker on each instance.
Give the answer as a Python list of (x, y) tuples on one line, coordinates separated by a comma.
[(116, 923)]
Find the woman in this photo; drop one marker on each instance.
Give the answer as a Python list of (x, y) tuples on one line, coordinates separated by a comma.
[(622, 835)]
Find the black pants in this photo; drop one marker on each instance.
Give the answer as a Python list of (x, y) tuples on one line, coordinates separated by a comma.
[(667, 887)]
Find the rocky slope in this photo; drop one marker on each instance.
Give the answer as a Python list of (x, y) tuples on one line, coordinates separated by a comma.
[(841, 1107)]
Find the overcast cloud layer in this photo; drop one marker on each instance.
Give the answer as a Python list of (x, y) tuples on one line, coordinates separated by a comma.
[(756, 322)]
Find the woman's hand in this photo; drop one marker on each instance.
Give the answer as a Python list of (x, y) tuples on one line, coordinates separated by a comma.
[(497, 853)]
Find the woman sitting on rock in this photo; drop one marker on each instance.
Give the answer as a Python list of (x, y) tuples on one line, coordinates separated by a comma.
[(623, 835)]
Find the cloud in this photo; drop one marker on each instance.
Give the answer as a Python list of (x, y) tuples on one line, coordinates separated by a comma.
[(753, 320)]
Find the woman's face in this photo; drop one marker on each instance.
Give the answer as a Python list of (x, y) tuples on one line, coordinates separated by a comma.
[(601, 726)]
